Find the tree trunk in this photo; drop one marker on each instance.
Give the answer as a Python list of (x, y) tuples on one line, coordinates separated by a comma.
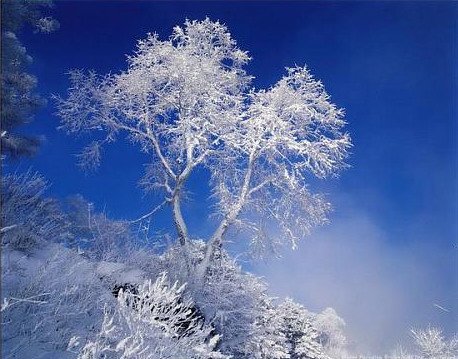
[(178, 218), (216, 240)]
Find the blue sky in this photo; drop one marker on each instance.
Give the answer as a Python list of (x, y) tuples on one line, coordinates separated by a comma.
[(391, 65)]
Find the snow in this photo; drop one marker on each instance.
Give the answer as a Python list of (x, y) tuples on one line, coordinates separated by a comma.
[(119, 273)]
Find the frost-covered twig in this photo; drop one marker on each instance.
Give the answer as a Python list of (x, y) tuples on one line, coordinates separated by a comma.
[(9, 302)]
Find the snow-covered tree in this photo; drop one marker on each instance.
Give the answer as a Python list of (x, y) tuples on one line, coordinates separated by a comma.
[(267, 339), (432, 344), (177, 99), (187, 102), (331, 332), (154, 323), (301, 335), (18, 97)]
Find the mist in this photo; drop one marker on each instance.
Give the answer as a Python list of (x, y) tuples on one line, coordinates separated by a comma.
[(381, 286)]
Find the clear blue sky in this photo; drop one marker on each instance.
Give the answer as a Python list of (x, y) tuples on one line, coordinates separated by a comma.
[(391, 65)]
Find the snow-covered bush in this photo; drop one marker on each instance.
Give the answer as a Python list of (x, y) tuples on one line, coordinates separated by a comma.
[(27, 217), (432, 344), (100, 237), (232, 299), (156, 322), (49, 295), (30, 217)]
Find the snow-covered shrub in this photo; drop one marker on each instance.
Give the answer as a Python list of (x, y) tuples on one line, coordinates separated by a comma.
[(100, 237), (432, 344), (154, 323), (110, 240), (27, 216), (232, 299), (49, 295)]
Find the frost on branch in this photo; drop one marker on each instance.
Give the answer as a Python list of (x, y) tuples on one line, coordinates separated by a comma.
[(89, 158), (155, 323)]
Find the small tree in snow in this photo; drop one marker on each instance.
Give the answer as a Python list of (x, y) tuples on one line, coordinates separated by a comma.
[(186, 101)]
